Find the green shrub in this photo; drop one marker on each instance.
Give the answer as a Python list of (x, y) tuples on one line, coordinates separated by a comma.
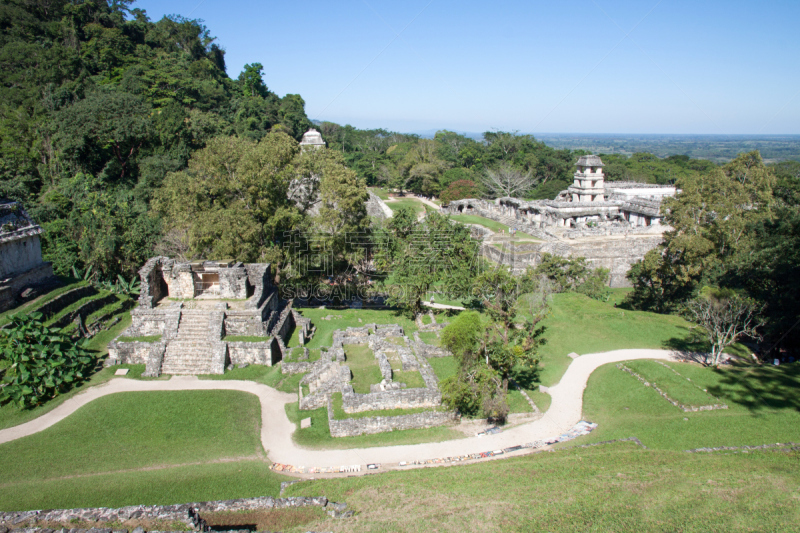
[(42, 362)]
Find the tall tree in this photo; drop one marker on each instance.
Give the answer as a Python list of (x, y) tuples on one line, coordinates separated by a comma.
[(506, 180), (711, 219), (233, 200)]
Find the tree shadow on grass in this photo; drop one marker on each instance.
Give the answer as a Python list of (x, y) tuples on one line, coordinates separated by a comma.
[(527, 378), (757, 388), (760, 388), (690, 347)]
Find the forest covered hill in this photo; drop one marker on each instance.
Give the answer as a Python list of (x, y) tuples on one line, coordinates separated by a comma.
[(98, 104), (124, 137)]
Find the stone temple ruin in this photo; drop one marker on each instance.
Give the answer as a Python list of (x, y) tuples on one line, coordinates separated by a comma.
[(612, 224), (186, 310), (22, 270), (393, 351)]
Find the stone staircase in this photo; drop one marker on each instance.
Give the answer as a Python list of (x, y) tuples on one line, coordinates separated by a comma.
[(193, 351)]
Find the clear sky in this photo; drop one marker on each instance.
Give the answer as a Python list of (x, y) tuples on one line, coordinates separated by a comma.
[(579, 66)]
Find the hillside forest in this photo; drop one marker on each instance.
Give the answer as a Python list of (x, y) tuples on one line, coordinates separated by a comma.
[(124, 137)]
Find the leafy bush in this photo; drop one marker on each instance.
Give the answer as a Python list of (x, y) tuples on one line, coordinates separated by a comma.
[(476, 391), (42, 362), (573, 274), (461, 336)]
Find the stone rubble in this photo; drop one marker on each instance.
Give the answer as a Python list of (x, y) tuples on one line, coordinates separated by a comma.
[(187, 513)]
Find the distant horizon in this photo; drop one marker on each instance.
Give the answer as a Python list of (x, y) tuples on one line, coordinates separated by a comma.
[(467, 132)]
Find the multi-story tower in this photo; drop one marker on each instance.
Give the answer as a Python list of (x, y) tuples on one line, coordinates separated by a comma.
[(588, 185)]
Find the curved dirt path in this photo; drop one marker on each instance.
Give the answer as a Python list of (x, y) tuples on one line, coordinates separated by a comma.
[(276, 429)]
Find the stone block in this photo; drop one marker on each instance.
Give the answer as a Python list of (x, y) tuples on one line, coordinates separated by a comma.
[(121, 372), (573, 355), (305, 423)]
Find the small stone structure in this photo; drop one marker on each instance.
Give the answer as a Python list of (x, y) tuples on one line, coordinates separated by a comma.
[(312, 140), (391, 347), (377, 208), (193, 306), (21, 264)]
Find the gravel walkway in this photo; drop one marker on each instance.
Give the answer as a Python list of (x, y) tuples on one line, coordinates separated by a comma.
[(276, 429)]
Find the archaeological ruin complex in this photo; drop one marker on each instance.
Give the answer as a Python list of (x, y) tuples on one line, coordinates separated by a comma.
[(612, 224)]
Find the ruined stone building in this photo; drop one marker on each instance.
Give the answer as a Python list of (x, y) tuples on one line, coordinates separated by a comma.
[(186, 311), (305, 192), (312, 140), (21, 264), (612, 224)]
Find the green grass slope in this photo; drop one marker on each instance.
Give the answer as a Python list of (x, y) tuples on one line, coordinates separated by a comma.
[(577, 323), (138, 445), (619, 488), (763, 407)]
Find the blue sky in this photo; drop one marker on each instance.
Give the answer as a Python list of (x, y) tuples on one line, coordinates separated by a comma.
[(579, 66)]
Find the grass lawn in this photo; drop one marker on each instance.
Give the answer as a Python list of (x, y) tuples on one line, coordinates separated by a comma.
[(268, 375), (162, 485), (142, 441), (443, 367), (619, 488), (580, 324), (136, 430), (383, 194), (246, 338), (414, 204), (350, 318), (363, 366), (763, 407), (430, 337), (517, 402), (495, 226), (318, 436), (99, 343), (101, 293), (412, 379), (666, 377)]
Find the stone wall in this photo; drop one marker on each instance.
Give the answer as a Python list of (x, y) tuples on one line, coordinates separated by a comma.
[(39, 277), (615, 254), (233, 282), (352, 427), (20, 255), (303, 327), (153, 285), (252, 353), (64, 300), (146, 322), (150, 354), (296, 368), (391, 399), (244, 323), (85, 310), (325, 379), (284, 324), (259, 276)]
